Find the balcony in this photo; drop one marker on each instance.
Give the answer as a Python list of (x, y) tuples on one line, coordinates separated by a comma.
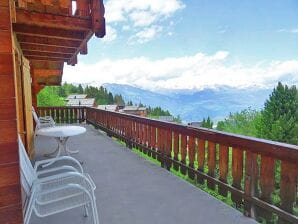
[(248, 171), (132, 190)]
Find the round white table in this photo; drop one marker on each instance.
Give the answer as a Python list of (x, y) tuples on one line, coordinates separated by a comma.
[(61, 134)]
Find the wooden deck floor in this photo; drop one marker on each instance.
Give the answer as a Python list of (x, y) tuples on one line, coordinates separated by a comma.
[(132, 190)]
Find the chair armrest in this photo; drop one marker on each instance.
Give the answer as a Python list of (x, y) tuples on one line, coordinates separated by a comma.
[(57, 169), (36, 192), (83, 180), (61, 158)]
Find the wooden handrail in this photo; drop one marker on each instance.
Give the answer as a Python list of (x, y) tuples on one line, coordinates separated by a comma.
[(252, 169)]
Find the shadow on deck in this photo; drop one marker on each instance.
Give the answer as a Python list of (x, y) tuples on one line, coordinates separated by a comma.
[(132, 190)]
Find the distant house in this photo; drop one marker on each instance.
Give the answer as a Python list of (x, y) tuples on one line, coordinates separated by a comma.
[(76, 96), (166, 118), (108, 107), (135, 110), (80, 100), (196, 124)]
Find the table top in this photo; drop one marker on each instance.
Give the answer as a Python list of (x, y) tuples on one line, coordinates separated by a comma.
[(61, 131)]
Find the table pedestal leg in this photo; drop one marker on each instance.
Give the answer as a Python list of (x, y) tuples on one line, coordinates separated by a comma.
[(51, 154), (61, 146), (71, 151)]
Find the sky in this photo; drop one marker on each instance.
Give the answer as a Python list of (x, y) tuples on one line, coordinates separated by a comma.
[(193, 44)]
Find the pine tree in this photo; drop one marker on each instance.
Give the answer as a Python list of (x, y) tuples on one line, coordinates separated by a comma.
[(80, 89), (207, 123), (110, 98), (279, 120)]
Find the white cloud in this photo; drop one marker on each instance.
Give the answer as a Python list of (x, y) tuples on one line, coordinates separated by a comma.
[(145, 35), (294, 31), (117, 10), (111, 34), (140, 14), (198, 71)]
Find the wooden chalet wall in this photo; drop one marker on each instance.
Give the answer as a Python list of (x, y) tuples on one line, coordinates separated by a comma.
[(48, 34), (10, 190)]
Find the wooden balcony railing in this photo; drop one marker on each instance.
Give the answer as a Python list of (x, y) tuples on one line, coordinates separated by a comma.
[(83, 8), (259, 176), (66, 115)]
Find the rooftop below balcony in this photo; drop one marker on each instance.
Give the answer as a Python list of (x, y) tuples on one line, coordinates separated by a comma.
[(130, 189)]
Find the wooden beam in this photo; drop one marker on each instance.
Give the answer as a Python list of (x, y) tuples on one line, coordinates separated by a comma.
[(52, 65), (51, 49), (84, 49), (48, 41), (73, 61), (47, 72), (37, 31), (83, 43), (46, 54), (97, 17), (51, 20), (42, 58)]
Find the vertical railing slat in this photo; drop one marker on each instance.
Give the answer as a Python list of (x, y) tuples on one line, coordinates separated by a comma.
[(191, 155), (237, 173), (223, 168), (183, 153), (176, 150), (250, 183), (288, 188), (266, 184), (201, 159), (211, 163)]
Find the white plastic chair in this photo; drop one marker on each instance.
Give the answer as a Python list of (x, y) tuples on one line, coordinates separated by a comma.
[(55, 193), (42, 122), (58, 164)]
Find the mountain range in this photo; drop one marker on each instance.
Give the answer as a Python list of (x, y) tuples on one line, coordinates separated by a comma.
[(194, 105)]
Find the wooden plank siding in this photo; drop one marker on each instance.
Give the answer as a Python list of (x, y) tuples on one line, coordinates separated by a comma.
[(10, 190)]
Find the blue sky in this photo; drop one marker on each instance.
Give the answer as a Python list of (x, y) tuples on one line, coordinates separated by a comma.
[(253, 39)]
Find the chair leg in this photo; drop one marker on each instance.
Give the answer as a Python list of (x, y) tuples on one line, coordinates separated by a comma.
[(28, 212), (94, 212), (86, 214)]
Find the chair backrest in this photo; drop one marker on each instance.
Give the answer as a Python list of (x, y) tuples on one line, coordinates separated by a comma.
[(28, 174), (35, 117)]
